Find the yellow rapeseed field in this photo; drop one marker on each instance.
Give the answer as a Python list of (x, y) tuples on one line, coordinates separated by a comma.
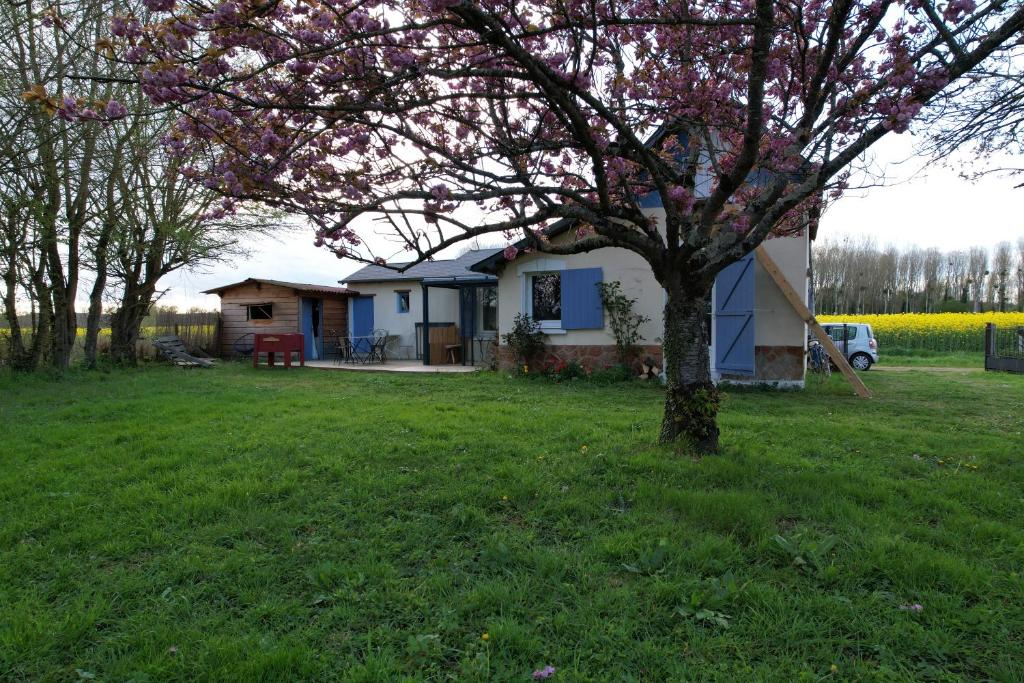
[(932, 331)]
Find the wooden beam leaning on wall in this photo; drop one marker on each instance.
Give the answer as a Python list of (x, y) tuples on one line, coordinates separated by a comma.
[(795, 300)]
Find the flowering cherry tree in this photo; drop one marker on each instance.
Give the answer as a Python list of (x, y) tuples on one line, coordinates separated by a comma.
[(435, 121)]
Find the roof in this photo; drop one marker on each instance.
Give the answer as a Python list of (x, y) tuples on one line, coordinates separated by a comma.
[(491, 263), (297, 286), (456, 269)]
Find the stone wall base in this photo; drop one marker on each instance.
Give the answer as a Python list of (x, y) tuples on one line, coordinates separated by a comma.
[(591, 357), (771, 363), (774, 364)]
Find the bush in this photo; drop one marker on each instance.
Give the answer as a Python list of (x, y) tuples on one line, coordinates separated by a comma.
[(625, 323), (526, 341)]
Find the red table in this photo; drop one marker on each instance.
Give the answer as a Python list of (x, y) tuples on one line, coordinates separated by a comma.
[(272, 344)]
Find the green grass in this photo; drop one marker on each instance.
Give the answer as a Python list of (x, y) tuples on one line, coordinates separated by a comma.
[(937, 359), (308, 525)]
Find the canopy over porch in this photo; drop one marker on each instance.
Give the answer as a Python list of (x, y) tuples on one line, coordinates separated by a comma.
[(468, 287)]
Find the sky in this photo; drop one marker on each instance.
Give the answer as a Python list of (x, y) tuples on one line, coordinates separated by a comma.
[(921, 203)]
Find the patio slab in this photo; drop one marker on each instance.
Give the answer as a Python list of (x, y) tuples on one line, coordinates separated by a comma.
[(390, 366)]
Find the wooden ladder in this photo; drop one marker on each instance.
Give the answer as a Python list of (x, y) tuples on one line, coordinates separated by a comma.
[(796, 301)]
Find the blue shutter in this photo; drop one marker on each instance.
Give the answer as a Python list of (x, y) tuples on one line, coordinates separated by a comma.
[(307, 327), (581, 299), (362, 321), (734, 318)]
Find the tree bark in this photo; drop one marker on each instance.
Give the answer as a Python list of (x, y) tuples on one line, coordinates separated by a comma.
[(691, 398), (126, 323), (92, 323)]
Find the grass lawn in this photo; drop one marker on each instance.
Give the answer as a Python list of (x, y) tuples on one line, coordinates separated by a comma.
[(937, 359), (310, 525)]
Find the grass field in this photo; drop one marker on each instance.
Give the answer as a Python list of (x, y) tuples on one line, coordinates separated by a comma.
[(309, 525)]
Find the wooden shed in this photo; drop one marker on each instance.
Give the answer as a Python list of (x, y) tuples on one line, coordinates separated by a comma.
[(255, 305)]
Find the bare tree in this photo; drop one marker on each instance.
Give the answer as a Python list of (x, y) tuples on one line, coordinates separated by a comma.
[(91, 194), (855, 276), (1002, 264), (1020, 274), (977, 272)]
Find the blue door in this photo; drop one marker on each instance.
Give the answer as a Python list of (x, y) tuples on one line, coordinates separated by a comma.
[(362, 322), (312, 327), (734, 318)]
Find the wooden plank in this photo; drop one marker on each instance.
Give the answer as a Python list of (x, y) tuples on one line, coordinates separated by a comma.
[(440, 337), (796, 301)]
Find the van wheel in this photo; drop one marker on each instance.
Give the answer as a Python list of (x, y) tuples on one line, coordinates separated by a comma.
[(861, 361)]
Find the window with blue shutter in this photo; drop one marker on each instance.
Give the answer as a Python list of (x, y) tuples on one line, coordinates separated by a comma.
[(734, 318), (581, 299)]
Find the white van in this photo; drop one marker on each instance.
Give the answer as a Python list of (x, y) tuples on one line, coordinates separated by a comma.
[(861, 345)]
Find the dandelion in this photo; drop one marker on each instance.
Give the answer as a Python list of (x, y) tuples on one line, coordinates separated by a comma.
[(485, 637), (833, 668), (504, 497), (583, 449), (547, 672)]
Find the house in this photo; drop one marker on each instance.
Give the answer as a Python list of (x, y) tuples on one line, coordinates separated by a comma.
[(459, 305), (256, 305), (755, 333)]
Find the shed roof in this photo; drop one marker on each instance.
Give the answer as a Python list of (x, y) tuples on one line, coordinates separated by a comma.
[(449, 269), (297, 286)]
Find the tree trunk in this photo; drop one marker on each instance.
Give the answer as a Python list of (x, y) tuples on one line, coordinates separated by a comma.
[(92, 323), (65, 326), (691, 398), (126, 323)]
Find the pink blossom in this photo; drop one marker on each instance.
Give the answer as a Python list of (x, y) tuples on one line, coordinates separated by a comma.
[(510, 253)]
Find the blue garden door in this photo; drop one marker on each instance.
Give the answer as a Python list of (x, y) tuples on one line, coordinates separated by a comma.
[(734, 318), (362, 322), (312, 327)]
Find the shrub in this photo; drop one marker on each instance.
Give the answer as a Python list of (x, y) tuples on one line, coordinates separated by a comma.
[(623, 320), (525, 340)]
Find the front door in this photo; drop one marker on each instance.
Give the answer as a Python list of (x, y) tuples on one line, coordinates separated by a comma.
[(362, 322), (312, 327)]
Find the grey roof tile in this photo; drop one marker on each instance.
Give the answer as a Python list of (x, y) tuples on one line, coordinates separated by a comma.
[(448, 268)]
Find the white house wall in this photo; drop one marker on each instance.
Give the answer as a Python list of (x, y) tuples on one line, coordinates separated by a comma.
[(444, 307), (777, 325)]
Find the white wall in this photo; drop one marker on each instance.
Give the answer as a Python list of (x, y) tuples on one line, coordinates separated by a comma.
[(444, 307), (616, 264), (776, 323)]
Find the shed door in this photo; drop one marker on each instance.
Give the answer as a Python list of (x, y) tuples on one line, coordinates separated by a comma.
[(734, 318), (362, 321), (312, 327)]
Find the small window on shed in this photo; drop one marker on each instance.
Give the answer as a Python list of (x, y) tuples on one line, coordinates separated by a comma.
[(260, 312), (402, 301)]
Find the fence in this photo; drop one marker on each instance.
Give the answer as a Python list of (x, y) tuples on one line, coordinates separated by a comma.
[(198, 329), (1004, 348)]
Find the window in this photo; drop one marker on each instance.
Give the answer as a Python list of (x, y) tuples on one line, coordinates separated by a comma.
[(487, 300), (836, 332), (402, 301), (546, 297), (260, 312)]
